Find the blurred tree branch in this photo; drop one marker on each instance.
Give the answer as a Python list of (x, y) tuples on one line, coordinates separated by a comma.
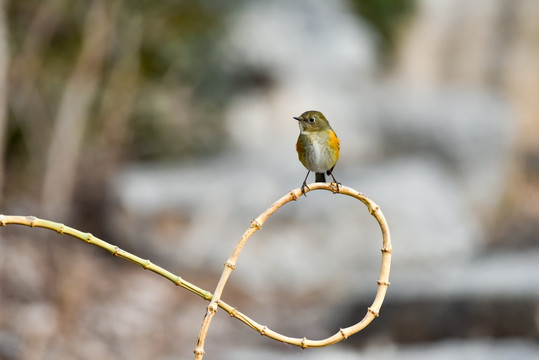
[(27, 100), (73, 111), (120, 90), (386, 18), (4, 60), (95, 83)]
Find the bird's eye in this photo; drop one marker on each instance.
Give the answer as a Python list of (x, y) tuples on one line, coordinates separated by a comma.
[(311, 120)]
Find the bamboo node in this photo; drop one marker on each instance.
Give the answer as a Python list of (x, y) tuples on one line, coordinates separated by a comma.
[(343, 334), (2, 220), (199, 352), (293, 195), (89, 237), (178, 281), (304, 343), (116, 250), (372, 311), (233, 312), (387, 250), (207, 295), (230, 265), (33, 220), (212, 308), (381, 282), (255, 224), (374, 209), (147, 264), (263, 330), (61, 229)]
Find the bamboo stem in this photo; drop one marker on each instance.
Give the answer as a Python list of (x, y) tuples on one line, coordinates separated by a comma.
[(256, 224), (62, 229), (215, 301)]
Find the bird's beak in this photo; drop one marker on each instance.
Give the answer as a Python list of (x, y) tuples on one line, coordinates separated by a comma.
[(297, 118)]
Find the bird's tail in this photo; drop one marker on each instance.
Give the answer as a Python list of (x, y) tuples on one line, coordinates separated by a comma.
[(319, 177)]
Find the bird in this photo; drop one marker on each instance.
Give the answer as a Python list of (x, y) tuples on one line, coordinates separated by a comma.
[(317, 146)]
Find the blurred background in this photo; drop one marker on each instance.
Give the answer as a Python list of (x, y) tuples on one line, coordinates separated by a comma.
[(165, 127)]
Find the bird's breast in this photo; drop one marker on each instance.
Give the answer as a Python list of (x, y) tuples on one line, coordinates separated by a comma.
[(318, 151)]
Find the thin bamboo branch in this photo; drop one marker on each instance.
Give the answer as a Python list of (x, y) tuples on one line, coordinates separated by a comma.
[(62, 229), (256, 224)]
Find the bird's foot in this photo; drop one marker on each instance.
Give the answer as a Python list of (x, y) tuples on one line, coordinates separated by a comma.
[(303, 186), (336, 185)]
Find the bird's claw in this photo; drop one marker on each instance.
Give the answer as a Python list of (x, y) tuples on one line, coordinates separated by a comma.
[(303, 186), (336, 185)]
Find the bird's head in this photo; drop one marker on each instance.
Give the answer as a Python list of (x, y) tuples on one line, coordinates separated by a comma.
[(312, 121)]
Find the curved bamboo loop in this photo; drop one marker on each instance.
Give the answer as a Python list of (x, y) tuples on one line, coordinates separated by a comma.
[(372, 311), (230, 264)]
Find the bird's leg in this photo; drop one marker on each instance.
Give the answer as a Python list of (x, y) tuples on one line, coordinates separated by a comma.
[(330, 172), (304, 185)]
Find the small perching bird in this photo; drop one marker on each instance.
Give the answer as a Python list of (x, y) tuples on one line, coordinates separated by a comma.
[(317, 146)]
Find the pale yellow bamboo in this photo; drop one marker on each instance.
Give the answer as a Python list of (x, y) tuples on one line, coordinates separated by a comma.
[(62, 229), (256, 224)]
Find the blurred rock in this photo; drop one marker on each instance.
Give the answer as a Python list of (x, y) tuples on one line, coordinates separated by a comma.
[(10, 346), (469, 133), (450, 349)]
